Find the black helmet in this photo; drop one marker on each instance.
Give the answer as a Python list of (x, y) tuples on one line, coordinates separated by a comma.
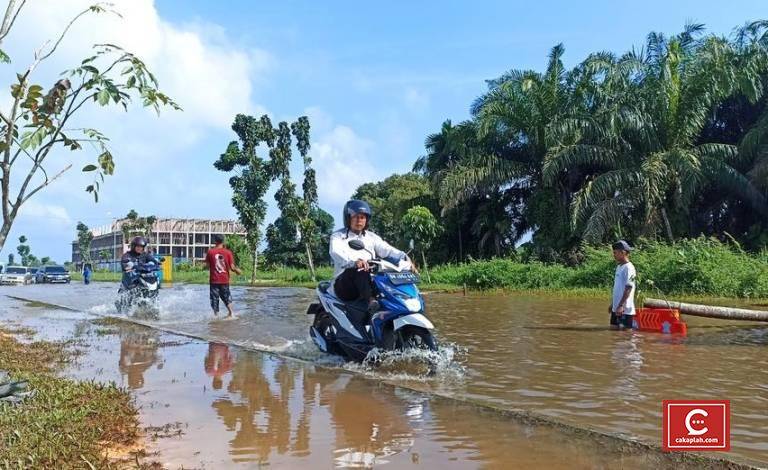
[(356, 206), (138, 241)]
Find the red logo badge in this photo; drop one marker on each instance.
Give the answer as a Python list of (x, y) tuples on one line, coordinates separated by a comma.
[(696, 425)]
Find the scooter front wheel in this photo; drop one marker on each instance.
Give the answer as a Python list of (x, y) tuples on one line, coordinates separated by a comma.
[(410, 337)]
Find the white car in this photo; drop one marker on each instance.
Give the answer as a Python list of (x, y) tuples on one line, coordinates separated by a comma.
[(16, 275)]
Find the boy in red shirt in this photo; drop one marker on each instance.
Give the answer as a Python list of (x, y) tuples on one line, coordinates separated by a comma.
[(220, 262)]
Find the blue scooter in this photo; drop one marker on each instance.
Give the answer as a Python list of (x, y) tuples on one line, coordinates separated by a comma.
[(399, 324)]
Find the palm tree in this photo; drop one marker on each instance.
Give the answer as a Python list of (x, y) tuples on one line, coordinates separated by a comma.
[(641, 144), (514, 122)]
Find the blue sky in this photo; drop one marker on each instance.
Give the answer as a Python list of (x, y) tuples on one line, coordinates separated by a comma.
[(375, 80)]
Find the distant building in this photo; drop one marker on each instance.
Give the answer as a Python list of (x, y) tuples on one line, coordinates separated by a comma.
[(187, 240)]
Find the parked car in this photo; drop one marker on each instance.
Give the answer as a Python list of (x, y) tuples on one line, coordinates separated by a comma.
[(16, 275), (52, 274)]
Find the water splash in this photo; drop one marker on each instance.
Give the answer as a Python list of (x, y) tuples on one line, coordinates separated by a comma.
[(414, 365)]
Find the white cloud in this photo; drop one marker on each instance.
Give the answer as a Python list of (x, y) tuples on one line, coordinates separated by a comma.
[(341, 159), (197, 64), (46, 214)]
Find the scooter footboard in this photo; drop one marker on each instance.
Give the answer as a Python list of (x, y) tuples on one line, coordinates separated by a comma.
[(414, 319)]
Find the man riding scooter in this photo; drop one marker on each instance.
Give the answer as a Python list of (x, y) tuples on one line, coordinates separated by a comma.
[(140, 280), (352, 279), (347, 320), (135, 256)]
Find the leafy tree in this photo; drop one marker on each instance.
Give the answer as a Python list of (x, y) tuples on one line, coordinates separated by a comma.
[(421, 226), (390, 199), (133, 226), (104, 256), (307, 213), (46, 260), (240, 250), (645, 137), (23, 250), (502, 149), (11, 259), (285, 248), (252, 176), (37, 123), (84, 239)]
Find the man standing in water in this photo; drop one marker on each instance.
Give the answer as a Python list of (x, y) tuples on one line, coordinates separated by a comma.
[(220, 262), (622, 307)]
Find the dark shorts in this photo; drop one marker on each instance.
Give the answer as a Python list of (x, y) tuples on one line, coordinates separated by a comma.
[(219, 291), (625, 322)]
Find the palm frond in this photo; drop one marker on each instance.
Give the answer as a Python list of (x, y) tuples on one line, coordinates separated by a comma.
[(577, 155)]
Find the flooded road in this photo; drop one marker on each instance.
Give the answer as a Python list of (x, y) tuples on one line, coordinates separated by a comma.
[(552, 357)]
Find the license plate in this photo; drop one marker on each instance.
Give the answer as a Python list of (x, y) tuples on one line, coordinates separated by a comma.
[(403, 278)]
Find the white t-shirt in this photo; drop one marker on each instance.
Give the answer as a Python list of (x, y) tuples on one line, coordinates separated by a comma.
[(625, 277)]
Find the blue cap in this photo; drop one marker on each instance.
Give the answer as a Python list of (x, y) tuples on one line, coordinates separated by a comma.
[(621, 245)]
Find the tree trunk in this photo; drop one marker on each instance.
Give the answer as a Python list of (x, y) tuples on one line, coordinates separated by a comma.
[(255, 266), (667, 225), (4, 233), (426, 268), (461, 255), (311, 263), (709, 311)]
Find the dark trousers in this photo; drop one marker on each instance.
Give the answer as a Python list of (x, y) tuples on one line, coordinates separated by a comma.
[(353, 285), (219, 291)]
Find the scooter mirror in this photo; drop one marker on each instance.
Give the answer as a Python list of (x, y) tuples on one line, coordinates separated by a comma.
[(356, 245)]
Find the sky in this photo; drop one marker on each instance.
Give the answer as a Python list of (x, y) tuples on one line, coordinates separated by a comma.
[(375, 78)]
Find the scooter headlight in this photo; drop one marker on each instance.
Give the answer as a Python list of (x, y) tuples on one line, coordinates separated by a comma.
[(411, 303)]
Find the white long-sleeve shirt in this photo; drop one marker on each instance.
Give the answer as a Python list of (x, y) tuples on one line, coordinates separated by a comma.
[(345, 257)]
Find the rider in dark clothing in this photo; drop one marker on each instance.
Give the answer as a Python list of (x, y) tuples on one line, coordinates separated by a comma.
[(137, 255)]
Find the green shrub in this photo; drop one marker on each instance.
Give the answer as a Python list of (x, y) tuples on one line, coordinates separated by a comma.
[(699, 266)]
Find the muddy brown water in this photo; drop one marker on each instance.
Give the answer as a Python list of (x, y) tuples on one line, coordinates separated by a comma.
[(552, 357)]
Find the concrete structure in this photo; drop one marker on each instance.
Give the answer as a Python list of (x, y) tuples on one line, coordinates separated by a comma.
[(186, 240)]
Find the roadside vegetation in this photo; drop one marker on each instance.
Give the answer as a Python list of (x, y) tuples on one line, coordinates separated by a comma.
[(66, 423), (697, 267)]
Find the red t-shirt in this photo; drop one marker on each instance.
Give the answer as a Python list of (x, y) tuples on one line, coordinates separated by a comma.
[(220, 262)]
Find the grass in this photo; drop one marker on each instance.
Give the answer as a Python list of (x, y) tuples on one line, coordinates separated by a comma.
[(66, 423), (694, 269)]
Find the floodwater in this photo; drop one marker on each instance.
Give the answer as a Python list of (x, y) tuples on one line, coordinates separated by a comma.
[(550, 357)]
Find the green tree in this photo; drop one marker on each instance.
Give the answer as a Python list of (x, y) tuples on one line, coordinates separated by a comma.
[(84, 239), (296, 212), (23, 250), (38, 123), (390, 199), (645, 136), (514, 122), (104, 256), (306, 210), (11, 259), (420, 225), (286, 249), (46, 260), (252, 176), (133, 226), (240, 250)]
